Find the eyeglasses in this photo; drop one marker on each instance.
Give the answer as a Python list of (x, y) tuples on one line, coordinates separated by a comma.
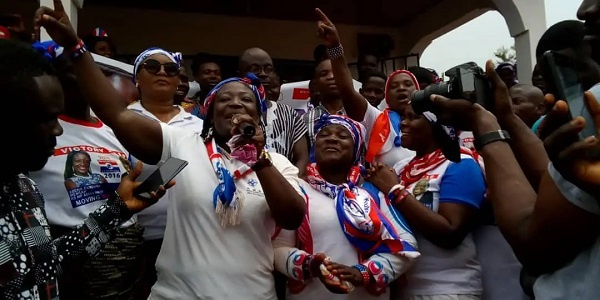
[(154, 66), (256, 69)]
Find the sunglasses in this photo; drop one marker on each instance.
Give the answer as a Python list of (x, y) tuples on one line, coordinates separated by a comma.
[(153, 67)]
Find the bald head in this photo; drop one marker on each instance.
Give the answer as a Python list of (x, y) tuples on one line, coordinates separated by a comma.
[(258, 62), (528, 102)]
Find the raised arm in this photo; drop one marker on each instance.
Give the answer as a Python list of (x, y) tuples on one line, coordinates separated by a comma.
[(141, 136), (355, 104)]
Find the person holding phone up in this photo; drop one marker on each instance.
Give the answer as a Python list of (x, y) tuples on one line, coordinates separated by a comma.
[(229, 200)]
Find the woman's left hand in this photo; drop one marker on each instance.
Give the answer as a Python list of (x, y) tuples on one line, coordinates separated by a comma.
[(258, 140), (382, 176), (345, 273)]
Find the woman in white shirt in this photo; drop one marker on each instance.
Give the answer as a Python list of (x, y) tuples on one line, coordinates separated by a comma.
[(230, 197), (157, 103), (367, 241), (439, 192), (383, 127)]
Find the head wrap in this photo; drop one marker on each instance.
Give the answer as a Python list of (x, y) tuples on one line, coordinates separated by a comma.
[(251, 81), (49, 49), (356, 129), (175, 57), (386, 122)]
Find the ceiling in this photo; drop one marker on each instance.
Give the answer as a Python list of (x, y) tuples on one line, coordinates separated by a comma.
[(385, 13)]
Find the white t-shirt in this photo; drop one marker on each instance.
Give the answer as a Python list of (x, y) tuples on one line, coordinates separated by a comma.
[(328, 238), (83, 172), (154, 218), (441, 271), (390, 154), (199, 258)]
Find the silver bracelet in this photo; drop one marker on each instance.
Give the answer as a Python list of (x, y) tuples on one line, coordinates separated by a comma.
[(335, 52)]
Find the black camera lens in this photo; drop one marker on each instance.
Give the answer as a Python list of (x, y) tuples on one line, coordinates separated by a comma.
[(421, 99)]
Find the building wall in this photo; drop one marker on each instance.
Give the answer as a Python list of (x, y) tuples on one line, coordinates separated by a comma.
[(136, 29)]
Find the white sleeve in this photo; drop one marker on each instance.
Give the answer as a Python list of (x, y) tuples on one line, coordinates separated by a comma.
[(369, 120), (288, 259), (287, 170), (171, 136)]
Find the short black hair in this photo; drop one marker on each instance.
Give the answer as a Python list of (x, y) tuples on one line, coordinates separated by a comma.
[(363, 55), (373, 73), (422, 74), (19, 65), (200, 59), (562, 35)]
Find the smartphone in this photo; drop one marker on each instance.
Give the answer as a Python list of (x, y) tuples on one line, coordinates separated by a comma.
[(165, 173), (564, 83)]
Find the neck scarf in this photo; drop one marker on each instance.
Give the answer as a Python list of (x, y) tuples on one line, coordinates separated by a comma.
[(384, 122), (175, 57), (250, 81), (227, 200)]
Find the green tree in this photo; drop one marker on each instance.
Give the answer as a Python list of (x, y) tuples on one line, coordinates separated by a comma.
[(504, 54)]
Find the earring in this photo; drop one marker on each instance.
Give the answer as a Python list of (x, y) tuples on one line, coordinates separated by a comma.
[(137, 84)]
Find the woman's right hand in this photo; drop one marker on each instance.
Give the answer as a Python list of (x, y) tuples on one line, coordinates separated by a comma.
[(57, 24), (327, 31), (333, 285)]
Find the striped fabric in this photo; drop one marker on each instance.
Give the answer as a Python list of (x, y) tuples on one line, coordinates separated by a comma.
[(283, 128)]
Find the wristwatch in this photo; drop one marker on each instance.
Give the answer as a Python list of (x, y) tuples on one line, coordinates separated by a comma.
[(264, 160), (494, 136)]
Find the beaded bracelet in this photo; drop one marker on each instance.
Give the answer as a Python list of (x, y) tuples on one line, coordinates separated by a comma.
[(78, 50), (365, 274), (335, 52)]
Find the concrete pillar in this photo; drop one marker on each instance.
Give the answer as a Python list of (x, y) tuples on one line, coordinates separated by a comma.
[(526, 20), (71, 8)]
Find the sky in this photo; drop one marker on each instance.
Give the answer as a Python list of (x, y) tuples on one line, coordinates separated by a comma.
[(478, 39)]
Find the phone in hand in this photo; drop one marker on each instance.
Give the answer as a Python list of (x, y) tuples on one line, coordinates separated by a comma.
[(165, 173), (563, 81)]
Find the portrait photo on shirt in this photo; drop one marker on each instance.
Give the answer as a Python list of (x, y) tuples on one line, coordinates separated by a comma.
[(85, 186)]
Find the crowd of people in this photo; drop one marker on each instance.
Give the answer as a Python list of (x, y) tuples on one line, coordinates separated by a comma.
[(365, 196)]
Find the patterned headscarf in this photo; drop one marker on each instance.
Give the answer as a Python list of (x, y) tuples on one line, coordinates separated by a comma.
[(250, 81), (356, 129), (49, 49), (175, 57)]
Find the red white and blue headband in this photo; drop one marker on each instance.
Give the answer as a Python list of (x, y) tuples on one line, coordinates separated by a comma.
[(175, 57), (356, 129), (251, 81)]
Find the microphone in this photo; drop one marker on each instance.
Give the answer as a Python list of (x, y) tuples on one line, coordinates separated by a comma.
[(247, 129)]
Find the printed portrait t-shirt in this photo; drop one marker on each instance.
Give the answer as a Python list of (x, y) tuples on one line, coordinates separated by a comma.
[(84, 170)]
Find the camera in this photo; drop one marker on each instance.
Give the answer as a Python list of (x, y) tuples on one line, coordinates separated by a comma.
[(467, 81)]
